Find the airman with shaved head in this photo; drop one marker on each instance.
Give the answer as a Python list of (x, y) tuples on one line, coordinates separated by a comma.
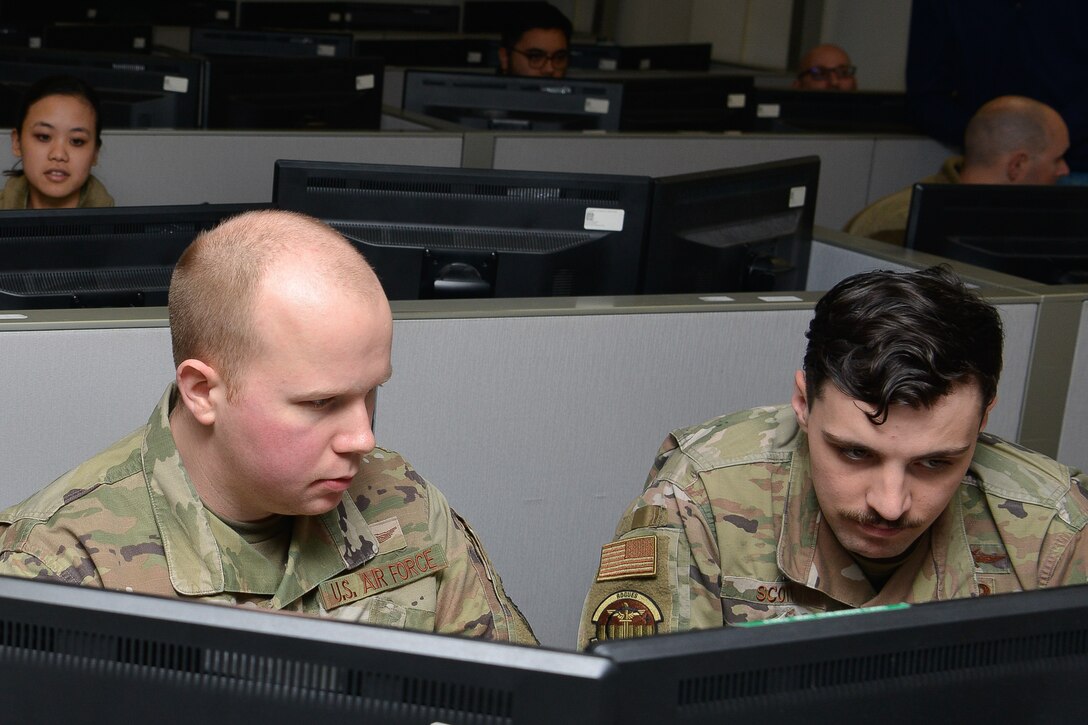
[(1009, 140), (257, 479)]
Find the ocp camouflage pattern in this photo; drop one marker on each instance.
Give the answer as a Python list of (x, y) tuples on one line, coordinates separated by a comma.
[(740, 536), (129, 519)]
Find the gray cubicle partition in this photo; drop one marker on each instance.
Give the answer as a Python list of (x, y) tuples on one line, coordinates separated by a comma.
[(537, 418), (156, 167), (162, 167), (1074, 419)]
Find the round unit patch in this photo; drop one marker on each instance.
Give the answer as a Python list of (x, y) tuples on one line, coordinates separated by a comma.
[(626, 614)]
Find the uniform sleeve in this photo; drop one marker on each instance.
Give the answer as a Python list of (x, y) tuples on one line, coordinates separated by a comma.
[(1064, 556), (661, 572), (471, 598), (34, 552)]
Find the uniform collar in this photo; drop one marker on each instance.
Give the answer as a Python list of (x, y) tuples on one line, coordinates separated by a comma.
[(321, 546), (810, 555)]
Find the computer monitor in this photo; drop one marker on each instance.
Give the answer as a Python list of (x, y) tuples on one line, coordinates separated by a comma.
[(514, 103), (675, 57), (1006, 658), (419, 51), (18, 36), (112, 257), (662, 101), (1035, 232), (103, 38), (148, 90), (448, 232), (271, 43), (403, 17), (309, 94), (747, 228), (491, 16), (71, 654), (351, 16), (788, 110)]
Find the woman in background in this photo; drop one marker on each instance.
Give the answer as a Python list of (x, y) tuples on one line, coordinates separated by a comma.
[(57, 140)]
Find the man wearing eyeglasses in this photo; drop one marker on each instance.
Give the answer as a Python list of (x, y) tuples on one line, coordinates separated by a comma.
[(826, 68), (536, 42)]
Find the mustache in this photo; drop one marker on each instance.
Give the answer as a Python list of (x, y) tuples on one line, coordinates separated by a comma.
[(872, 518)]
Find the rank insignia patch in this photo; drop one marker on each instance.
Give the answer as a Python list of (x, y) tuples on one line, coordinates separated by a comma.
[(628, 559), (389, 535), (624, 615)]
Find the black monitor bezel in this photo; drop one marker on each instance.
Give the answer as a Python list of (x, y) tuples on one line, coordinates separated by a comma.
[(972, 222)]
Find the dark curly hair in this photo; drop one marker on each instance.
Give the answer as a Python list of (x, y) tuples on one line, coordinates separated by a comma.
[(888, 338)]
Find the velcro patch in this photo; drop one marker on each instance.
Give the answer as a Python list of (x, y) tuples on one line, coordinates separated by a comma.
[(388, 534), (649, 517), (624, 615), (628, 559), (371, 579)]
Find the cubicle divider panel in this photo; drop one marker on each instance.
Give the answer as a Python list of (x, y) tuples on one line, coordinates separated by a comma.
[(144, 168), (1073, 449), (899, 162), (67, 393)]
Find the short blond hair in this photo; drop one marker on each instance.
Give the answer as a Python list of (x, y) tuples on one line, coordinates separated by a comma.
[(215, 284)]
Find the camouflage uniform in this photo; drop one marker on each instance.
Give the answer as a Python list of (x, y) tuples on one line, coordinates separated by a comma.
[(391, 553), (728, 529)]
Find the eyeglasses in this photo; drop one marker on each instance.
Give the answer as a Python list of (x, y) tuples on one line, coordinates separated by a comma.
[(537, 57), (819, 72)]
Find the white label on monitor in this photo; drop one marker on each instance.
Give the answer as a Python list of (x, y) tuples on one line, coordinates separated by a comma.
[(596, 105), (175, 84), (797, 196), (644, 64), (768, 110), (364, 82), (326, 50), (604, 220), (736, 100), (334, 17), (35, 41), (780, 298), (222, 14), (474, 57), (12, 316), (607, 64), (716, 298), (139, 43)]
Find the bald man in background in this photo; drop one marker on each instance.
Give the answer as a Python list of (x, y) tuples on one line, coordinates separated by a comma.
[(257, 480), (1009, 140), (826, 67)]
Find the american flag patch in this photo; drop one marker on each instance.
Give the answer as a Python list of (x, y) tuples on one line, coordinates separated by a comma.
[(628, 559)]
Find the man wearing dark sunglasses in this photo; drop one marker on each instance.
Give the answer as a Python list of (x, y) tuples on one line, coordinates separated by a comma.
[(826, 68), (536, 42)]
